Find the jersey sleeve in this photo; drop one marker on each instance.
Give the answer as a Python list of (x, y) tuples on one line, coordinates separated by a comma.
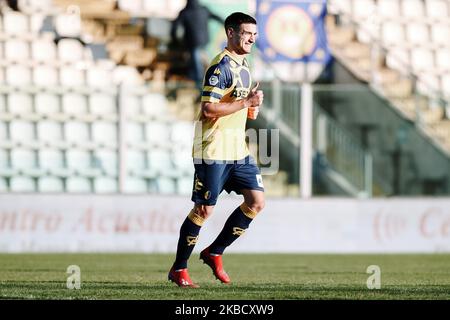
[(218, 79)]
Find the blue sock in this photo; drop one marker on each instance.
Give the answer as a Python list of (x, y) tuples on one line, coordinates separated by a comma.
[(188, 238), (234, 227)]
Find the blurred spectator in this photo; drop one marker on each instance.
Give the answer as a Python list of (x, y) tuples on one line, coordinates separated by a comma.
[(13, 4), (194, 20)]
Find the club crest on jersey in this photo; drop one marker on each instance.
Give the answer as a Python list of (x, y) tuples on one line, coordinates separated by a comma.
[(213, 80)]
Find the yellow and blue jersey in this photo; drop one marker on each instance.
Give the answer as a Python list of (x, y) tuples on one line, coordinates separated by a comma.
[(227, 79)]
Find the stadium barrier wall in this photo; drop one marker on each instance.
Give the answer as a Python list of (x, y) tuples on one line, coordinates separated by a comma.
[(119, 223)]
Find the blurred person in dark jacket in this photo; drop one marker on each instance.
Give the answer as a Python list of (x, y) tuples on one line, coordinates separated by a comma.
[(194, 20)]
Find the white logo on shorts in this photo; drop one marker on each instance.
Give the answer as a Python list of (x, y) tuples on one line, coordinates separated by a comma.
[(213, 80), (259, 181)]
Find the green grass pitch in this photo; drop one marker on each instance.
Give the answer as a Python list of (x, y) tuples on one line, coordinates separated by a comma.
[(254, 277)]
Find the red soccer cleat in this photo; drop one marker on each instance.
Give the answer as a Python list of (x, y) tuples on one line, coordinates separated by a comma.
[(181, 278), (215, 262)]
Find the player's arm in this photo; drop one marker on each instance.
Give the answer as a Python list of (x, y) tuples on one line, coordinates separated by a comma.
[(212, 110)]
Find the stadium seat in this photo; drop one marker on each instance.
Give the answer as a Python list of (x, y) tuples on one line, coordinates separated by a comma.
[(72, 76), (417, 33), (3, 185), (105, 133), (131, 104), (76, 131), (184, 185), (35, 5), (136, 161), (46, 103), (18, 75), (3, 131), (135, 185), (16, 49), (127, 75), (427, 84), (68, 24), (78, 185), (134, 133), (15, 22), (440, 33), (413, 8), (102, 104), (155, 105), (166, 185), (20, 103), (50, 184), (4, 163), (132, 6), (70, 50), (422, 59), (182, 159), (107, 161), (160, 161), (446, 85), (81, 161), (43, 49), (443, 59), (49, 131), (105, 185), (52, 160), (74, 104), (99, 76), (157, 133), (23, 159), (437, 8), (22, 131), (3, 107), (398, 59), (22, 184), (392, 33), (182, 133), (45, 76), (388, 8), (36, 22), (363, 9)]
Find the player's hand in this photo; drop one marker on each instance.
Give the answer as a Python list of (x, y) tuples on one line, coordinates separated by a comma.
[(255, 97)]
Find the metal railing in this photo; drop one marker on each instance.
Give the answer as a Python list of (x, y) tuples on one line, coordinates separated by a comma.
[(345, 156)]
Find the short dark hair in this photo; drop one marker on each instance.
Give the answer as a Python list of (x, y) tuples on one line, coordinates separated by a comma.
[(235, 19)]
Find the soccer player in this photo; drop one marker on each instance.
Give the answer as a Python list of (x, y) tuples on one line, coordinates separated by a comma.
[(221, 156)]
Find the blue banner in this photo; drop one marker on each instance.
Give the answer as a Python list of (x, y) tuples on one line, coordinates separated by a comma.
[(292, 30)]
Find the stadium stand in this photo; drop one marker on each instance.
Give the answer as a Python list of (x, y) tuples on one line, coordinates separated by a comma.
[(61, 104), (401, 48)]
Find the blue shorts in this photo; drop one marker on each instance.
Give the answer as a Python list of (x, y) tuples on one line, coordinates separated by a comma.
[(210, 179)]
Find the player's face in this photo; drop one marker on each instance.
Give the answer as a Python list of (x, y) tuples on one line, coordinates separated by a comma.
[(244, 38)]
